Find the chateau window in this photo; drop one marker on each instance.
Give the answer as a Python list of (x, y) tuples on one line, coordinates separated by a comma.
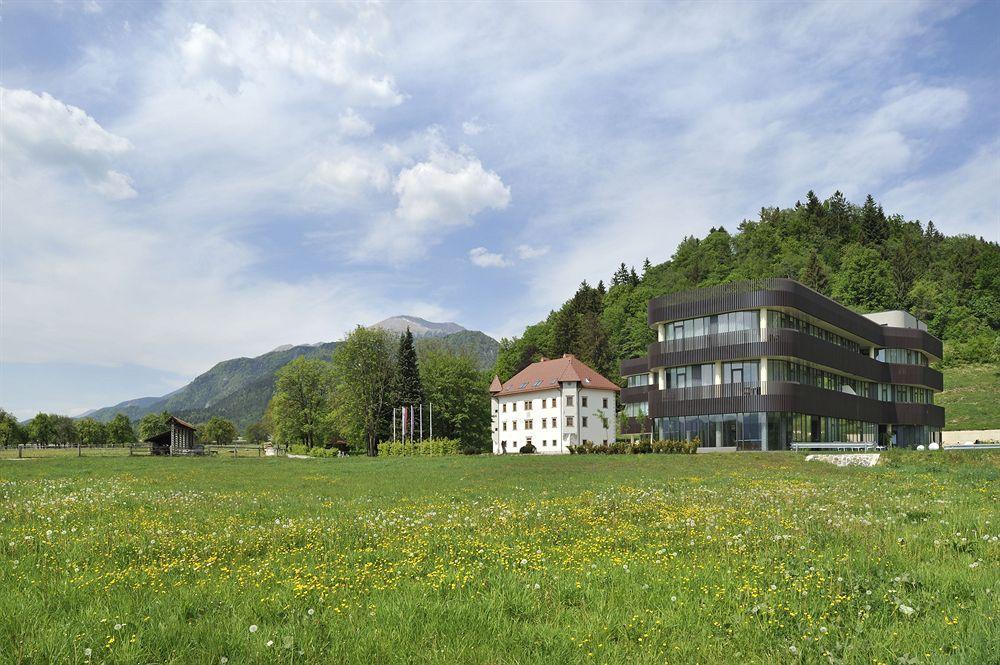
[(513, 424), (583, 401), (554, 423), (528, 424), (569, 421), (505, 426), (505, 407), (569, 400), (604, 405), (584, 421), (527, 405), (513, 406), (544, 423)]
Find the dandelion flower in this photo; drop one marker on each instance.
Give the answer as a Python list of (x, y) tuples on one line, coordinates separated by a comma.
[(906, 609), (223, 660), (253, 628), (310, 611), (87, 652)]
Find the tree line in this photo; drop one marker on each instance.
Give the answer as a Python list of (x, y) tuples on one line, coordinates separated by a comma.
[(855, 254), (349, 399)]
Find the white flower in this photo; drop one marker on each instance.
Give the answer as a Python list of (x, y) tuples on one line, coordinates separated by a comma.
[(118, 626), (906, 609), (253, 628), (310, 611), (270, 643), (87, 652), (673, 599), (793, 649), (974, 564), (537, 586), (223, 660)]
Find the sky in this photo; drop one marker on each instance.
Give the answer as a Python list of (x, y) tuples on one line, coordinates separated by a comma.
[(186, 183)]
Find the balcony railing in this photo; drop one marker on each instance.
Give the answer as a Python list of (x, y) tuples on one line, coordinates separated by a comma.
[(708, 341), (713, 391)]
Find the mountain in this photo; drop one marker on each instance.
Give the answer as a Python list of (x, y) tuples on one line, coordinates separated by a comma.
[(239, 389), (419, 327)]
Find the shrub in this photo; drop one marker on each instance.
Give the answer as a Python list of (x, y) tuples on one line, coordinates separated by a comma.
[(470, 450), (427, 447), (527, 449)]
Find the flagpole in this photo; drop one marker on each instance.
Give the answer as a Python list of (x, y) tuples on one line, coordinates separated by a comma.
[(394, 424), (430, 408), (421, 421)]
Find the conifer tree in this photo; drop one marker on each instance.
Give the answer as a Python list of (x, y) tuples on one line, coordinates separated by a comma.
[(814, 273), (874, 227), (409, 389)]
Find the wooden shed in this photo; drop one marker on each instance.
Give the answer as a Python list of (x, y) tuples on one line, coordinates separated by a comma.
[(178, 440)]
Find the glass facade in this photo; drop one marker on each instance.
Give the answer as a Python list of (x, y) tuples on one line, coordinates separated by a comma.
[(711, 325), (637, 380), (637, 409), (750, 431), (776, 319), (901, 357), (689, 376)]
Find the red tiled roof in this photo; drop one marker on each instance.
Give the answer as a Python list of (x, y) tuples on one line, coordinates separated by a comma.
[(548, 374)]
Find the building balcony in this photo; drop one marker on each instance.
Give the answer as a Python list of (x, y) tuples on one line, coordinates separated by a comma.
[(787, 397), (786, 294), (787, 343), (640, 425)]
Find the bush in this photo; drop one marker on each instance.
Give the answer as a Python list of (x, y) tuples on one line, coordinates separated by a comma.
[(527, 449), (470, 450), (427, 448)]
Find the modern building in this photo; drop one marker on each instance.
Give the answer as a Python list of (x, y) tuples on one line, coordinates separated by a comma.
[(553, 404), (762, 364)]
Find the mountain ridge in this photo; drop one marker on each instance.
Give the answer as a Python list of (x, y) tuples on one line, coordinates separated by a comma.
[(240, 388)]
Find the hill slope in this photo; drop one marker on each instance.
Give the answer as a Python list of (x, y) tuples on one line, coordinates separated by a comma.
[(970, 397), (240, 388)]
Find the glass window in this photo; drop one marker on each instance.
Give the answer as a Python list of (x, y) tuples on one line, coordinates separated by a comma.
[(583, 401), (569, 421), (569, 400)]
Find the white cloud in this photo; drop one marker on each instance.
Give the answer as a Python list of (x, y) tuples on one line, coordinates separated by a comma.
[(528, 252), (965, 199), (208, 57), (351, 176), (484, 258), (39, 131), (435, 196), (447, 190), (472, 128), (352, 124)]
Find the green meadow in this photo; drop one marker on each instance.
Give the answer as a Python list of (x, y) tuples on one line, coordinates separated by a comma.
[(748, 558)]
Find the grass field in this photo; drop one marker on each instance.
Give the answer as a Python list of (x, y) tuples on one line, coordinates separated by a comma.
[(970, 397), (634, 559)]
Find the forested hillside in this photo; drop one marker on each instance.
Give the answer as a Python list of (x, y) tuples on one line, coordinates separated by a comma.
[(240, 388), (856, 254)]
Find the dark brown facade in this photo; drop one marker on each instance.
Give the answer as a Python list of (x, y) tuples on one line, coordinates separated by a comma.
[(773, 343)]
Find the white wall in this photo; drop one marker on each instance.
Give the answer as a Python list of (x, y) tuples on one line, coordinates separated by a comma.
[(549, 440), (962, 436)]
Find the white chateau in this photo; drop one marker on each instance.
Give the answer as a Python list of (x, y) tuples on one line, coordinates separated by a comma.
[(553, 404)]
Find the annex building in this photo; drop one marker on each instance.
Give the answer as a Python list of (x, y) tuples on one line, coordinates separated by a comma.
[(762, 364), (552, 404)]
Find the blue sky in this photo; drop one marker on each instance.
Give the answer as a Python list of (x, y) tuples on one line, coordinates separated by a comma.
[(185, 183)]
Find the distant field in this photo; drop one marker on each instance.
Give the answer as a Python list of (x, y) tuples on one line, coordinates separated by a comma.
[(971, 397), (634, 559)]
